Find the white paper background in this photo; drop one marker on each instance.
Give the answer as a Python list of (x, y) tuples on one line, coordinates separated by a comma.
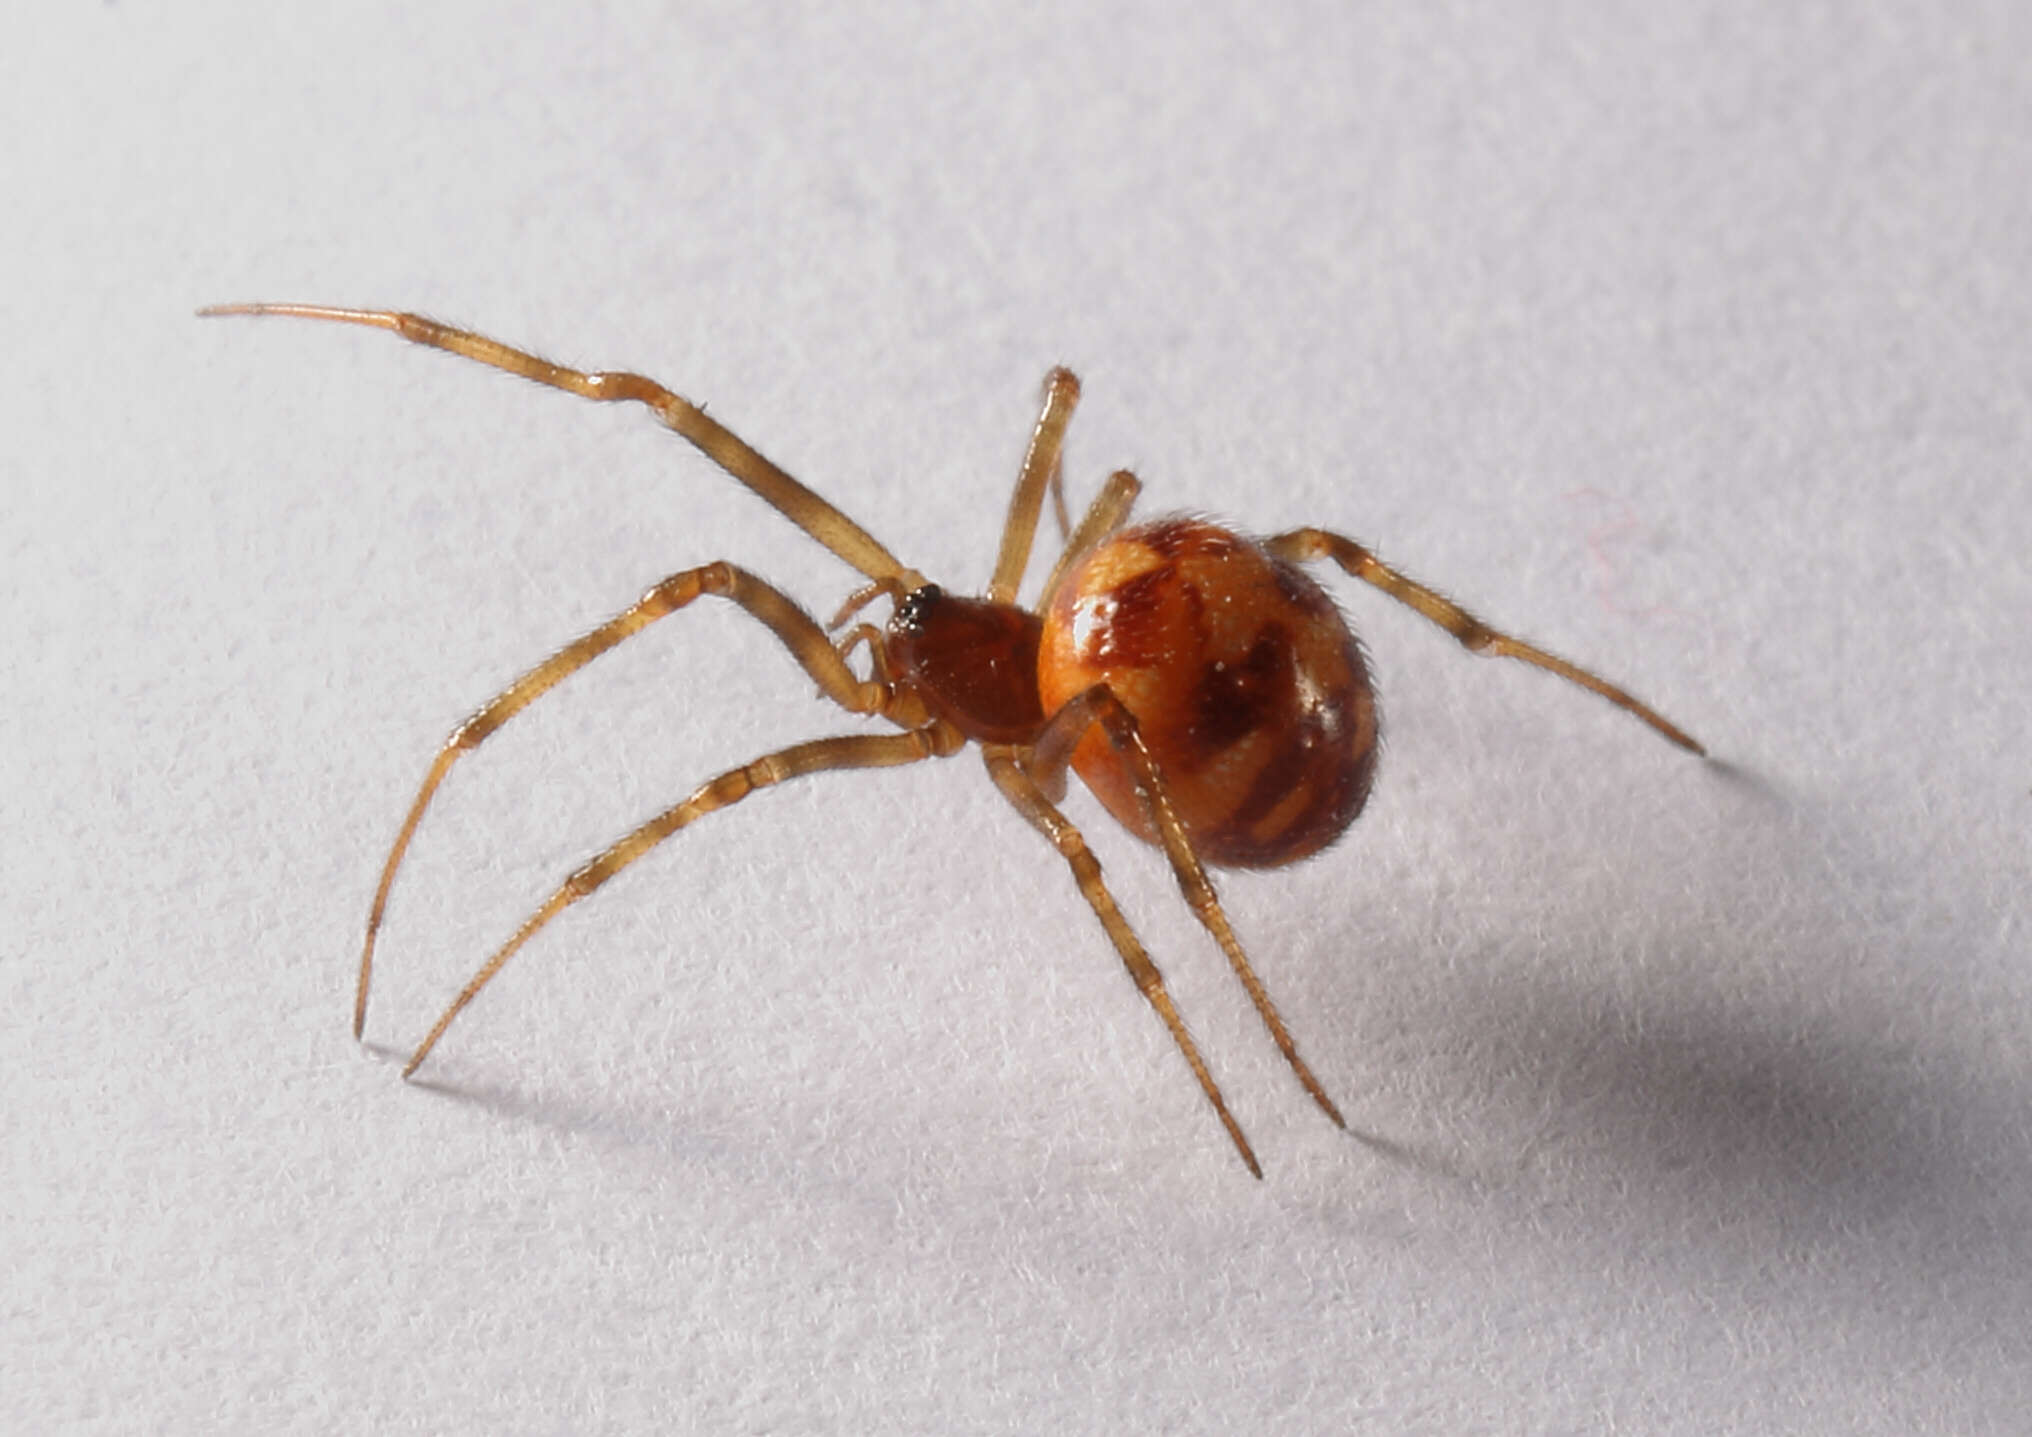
[(1688, 340)]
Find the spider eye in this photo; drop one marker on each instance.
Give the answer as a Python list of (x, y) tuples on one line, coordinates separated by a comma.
[(912, 613)]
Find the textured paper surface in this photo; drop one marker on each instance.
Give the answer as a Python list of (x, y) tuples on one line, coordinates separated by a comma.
[(1691, 1096)]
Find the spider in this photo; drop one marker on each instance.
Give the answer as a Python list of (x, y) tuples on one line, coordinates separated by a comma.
[(1199, 682)]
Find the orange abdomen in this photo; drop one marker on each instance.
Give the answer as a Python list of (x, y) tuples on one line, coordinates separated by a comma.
[(1249, 689)]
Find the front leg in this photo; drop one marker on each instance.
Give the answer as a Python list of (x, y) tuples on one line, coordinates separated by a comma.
[(795, 629), (825, 755)]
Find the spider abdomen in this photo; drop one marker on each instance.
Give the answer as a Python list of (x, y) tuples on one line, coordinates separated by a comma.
[(1251, 693)]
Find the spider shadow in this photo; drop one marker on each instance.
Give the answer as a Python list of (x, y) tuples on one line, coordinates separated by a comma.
[(1721, 1094), (1821, 1121), (1679, 1072), (688, 1135), (1427, 1158)]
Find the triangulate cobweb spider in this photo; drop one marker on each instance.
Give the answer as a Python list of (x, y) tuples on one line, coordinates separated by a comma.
[(1202, 686)]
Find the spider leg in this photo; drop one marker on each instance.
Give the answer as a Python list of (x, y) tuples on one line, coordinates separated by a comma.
[(819, 755), (1047, 442), (1058, 509), (1103, 517), (799, 633), (1049, 757), (1025, 796), (718, 443), (1306, 544)]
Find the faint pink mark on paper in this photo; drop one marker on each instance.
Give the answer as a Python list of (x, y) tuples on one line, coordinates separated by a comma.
[(1608, 537)]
